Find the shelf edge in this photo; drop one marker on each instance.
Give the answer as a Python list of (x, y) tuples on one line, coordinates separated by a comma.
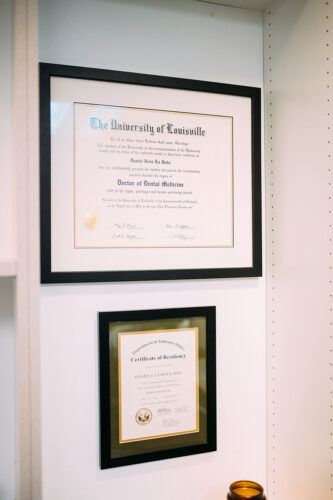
[(7, 268)]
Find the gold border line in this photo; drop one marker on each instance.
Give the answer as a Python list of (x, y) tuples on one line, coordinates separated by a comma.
[(197, 375), (232, 183), (150, 109), (120, 334), (75, 174), (158, 436), (158, 331), (154, 246), (119, 386)]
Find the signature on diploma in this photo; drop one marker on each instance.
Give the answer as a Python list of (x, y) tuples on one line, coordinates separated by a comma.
[(126, 225), (181, 232), (180, 236), (126, 231), (125, 236), (180, 227)]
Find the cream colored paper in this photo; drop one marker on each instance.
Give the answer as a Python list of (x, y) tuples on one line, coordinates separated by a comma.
[(158, 384), (152, 178)]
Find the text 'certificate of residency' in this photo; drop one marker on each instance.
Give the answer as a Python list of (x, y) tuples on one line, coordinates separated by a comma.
[(158, 384), (152, 178)]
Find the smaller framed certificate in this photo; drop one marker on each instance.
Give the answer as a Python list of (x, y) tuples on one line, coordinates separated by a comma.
[(157, 384)]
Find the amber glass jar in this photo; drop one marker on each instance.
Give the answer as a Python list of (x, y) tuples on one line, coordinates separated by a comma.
[(245, 490)]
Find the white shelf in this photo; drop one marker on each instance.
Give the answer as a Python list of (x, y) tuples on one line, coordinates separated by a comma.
[(243, 4), (7, 268)]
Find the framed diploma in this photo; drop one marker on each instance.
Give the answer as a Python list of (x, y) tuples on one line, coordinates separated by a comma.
[(157, 384), (147, 177)]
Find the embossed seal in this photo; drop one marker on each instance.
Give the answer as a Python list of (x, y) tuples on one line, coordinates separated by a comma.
[(143, 416), (90, 221)]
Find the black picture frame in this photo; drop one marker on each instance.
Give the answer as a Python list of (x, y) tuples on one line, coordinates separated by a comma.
[(114, 454), (87, 273)]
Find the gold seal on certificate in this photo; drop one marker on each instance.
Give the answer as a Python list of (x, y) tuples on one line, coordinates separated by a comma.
[(90, 220), (143, 416)]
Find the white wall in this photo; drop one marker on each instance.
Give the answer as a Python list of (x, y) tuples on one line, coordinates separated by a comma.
[(6, 175), (183, 39), (7, 340), (298, 78)]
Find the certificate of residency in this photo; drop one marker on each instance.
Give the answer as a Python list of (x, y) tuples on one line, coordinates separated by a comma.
[(158, 384)]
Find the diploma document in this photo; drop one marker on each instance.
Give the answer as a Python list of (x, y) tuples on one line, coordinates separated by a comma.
[(146, 177), (158, 384), (152, 178)]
